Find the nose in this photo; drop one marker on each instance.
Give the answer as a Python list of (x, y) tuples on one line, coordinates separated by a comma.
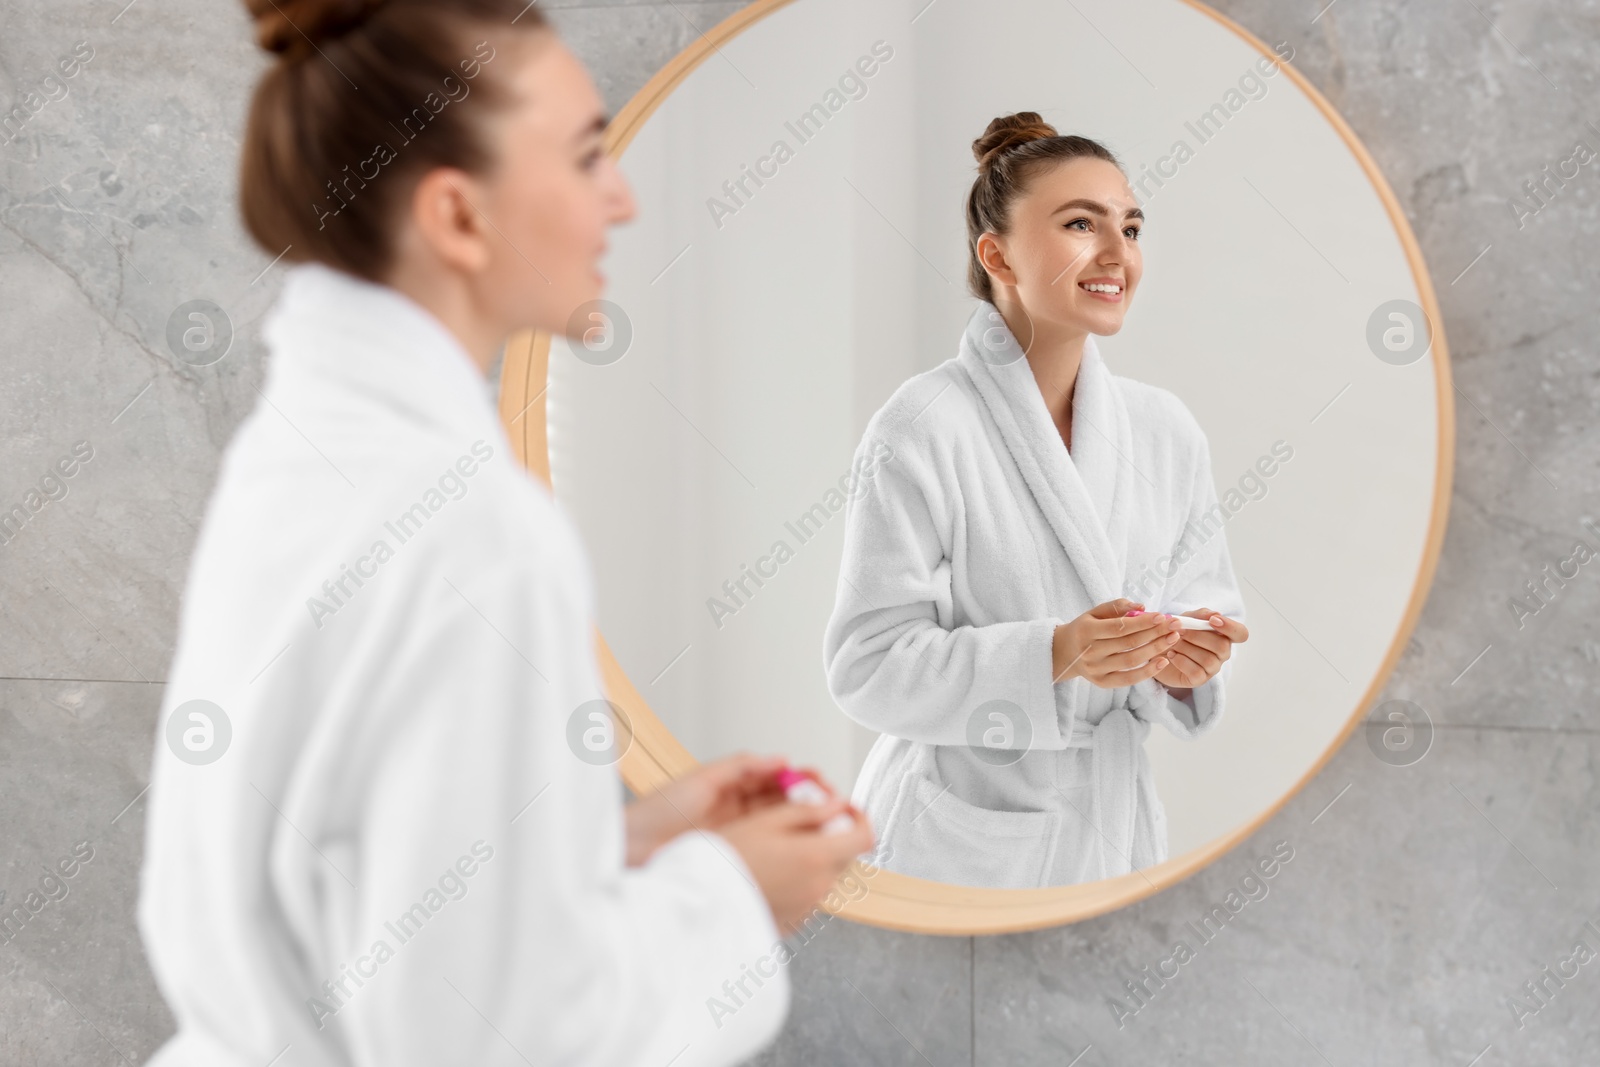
[(623, 207), (1115, 249)]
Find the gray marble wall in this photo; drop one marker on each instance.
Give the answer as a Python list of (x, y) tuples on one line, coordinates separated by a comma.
[(1418, 899)]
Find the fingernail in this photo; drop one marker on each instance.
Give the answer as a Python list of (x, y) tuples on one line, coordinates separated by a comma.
[(1133, 613)]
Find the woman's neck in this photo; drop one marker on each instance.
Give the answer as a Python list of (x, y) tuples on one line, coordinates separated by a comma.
[(449, 300), (1053, 355)]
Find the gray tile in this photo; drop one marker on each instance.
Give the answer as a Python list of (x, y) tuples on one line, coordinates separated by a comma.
[(636, 40), (1411, 908), (73, 759), (117, 206), (865, 995)]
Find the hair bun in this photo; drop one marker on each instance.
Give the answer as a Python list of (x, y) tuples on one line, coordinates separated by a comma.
[(1008, 131), (290, 27)]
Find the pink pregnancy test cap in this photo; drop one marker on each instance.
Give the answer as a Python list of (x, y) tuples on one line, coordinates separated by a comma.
[(789, 776)]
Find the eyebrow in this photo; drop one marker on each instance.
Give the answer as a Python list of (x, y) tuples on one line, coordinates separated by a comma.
[(1097, 208), (597, 125)]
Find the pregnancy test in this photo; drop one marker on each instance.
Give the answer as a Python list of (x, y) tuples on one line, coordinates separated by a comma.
[(1185, 622), (802, 789)]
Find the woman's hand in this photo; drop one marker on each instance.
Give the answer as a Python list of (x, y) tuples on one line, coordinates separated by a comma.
[(794, 863), (705, 799), (1198, 655), (1111, 648)]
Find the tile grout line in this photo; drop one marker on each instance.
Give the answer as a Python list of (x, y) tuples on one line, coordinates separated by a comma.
[(85, 681)]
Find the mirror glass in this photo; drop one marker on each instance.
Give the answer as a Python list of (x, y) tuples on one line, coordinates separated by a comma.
[(800, 253)]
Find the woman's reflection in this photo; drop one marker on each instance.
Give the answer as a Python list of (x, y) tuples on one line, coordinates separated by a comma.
[(984, 615)]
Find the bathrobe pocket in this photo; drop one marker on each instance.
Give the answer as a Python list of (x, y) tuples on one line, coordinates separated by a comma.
[(932, 833)]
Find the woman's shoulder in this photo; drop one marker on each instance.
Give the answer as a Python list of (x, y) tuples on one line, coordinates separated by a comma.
[(450, 502), (926, 409), (512, 513), (1158, 413)]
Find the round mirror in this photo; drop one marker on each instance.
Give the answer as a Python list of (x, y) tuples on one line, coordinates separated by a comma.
[(800, 256)]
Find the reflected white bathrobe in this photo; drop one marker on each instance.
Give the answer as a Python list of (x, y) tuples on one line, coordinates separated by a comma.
[(400, 771), (963, 552)]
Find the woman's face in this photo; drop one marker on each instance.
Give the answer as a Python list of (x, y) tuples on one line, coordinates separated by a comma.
[(552, 194), (1077, 225)]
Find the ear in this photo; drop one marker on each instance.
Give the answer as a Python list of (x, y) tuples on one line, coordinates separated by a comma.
[(446, 211), (991, 253)]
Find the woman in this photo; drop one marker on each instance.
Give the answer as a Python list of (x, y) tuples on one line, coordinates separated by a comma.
[(386, 825), (984, 618)]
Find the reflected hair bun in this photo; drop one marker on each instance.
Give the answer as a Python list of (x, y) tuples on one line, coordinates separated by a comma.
[(1007, 132), (292, 27)]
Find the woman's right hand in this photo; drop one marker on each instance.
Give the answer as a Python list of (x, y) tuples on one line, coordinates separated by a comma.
[(1111, 648), (793, 862)]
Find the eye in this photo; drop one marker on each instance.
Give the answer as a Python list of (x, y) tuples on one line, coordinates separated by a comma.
[(1074, 222), (1134, 231), (592, 160)]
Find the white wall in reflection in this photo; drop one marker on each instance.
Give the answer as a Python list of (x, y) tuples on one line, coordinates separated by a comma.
[(763, 341)]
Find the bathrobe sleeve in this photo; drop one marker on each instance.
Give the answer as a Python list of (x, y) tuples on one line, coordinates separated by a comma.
[(550, 950), (1204, 579), (894, 658)]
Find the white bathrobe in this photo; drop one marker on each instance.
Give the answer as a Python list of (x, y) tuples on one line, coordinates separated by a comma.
[(398, 859), (963, 550)]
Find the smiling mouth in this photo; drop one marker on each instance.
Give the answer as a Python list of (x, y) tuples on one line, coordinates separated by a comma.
[(1111, 292)]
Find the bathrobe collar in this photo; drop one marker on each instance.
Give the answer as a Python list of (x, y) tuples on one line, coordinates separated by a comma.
[(1086, 499), (333, 328), (1081, 494)]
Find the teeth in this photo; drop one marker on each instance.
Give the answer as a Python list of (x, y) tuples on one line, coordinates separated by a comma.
[(1099, 287)]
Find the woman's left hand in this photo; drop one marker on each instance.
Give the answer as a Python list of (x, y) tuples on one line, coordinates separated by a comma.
[(1199, 654), (702, 800)]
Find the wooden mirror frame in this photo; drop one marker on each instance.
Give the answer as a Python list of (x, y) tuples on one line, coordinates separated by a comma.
[(898, 901)]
